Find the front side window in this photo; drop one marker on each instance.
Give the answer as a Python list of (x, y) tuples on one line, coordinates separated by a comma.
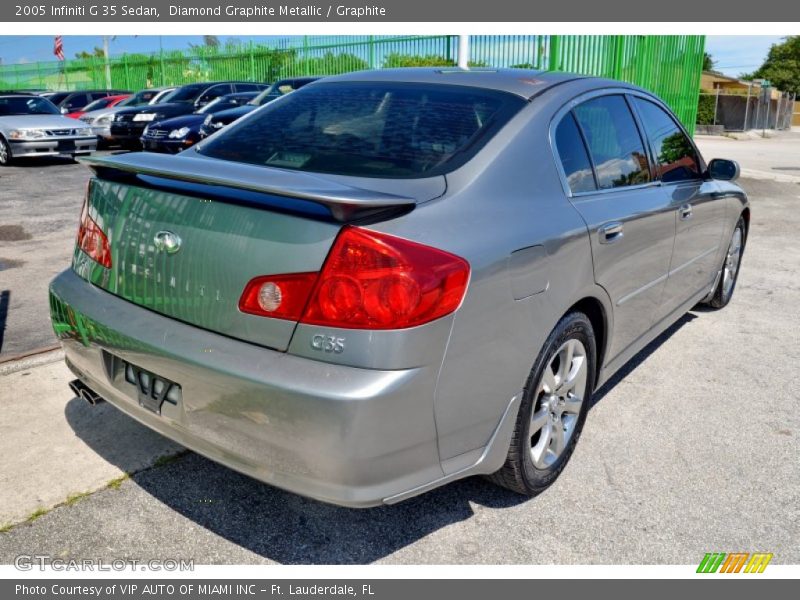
[(614, 142), (573, 156), (677, 159), (392, 130)]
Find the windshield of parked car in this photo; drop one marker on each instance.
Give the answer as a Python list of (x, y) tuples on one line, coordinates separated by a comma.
[(139, 98), (26, 105), (373, 129), (58, 97), (97, 104), (276, 90), (187, 93), (224, 102)]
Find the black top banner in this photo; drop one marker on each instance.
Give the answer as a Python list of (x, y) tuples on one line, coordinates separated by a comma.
[(399, 11)]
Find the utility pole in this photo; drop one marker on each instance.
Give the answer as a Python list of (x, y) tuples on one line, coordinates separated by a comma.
[(463, 51), (107, 62)]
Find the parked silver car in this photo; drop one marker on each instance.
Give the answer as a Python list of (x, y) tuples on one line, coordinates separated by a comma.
[(32, 126), (100, 120), (390, 280)]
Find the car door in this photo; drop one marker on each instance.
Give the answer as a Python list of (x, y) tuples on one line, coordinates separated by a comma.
[(700, 217), (630, 220)]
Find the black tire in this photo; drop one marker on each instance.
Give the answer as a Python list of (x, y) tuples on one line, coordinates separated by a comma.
[(519, 473), (5, 153), (724, 292)]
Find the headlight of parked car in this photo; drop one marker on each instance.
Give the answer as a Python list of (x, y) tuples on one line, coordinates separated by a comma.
[(179, 133), (26, 134), (104, 120), (83, 131), (144, 117)]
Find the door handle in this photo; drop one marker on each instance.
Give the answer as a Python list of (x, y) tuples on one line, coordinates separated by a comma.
[(610, 233), (685, 212)]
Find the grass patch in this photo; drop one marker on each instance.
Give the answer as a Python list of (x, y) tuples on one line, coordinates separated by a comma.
[(73, 499), (168, 459), (115, 483), (5, 527), (39, 512)]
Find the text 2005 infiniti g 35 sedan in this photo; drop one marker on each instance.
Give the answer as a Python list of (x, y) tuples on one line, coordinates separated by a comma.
[(390, 280)]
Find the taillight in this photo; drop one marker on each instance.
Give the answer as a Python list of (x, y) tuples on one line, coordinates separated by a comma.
[(279, 296), (369, 281), (92, 240)]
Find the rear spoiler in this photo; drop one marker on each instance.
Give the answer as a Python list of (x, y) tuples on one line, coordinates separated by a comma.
[(344, 202)]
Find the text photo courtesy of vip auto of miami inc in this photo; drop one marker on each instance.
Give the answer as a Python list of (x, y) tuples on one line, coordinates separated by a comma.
[(398, 300)]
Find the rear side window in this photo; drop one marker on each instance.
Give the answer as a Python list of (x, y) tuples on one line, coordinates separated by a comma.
[(677, 159), (375, 129), (614, 142), (573, 156)]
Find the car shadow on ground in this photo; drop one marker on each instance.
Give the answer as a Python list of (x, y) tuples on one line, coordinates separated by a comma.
[(44, 161), (290, 529), (4, 296)]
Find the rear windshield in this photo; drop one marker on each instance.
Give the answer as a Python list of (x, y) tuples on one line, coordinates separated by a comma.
[(389, 130)]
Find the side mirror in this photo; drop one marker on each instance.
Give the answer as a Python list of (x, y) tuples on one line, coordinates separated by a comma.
[(723, 169)]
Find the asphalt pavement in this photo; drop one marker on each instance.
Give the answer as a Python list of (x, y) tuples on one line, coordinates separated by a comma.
[(693, 448)]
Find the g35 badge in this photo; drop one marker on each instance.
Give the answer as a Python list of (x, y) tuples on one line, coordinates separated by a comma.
[(328, 343)]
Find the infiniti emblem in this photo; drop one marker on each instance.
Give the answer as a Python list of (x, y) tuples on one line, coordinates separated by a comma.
[(166, 241)]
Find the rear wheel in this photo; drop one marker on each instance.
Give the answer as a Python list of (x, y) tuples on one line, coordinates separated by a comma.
[(5, 153), (555, 401), (730, 268)]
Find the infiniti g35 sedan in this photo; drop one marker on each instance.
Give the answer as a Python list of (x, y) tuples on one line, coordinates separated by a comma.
[(394, 279)]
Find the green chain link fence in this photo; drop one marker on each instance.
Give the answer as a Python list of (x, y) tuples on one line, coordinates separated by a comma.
[(668, 65)]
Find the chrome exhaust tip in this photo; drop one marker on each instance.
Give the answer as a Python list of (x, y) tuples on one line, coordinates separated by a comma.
[(83, 391)]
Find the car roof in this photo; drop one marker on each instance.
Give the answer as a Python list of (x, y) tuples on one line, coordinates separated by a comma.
[(521, 82)]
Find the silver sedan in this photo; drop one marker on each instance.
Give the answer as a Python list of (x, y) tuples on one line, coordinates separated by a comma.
[(389, 280), (32, 126)]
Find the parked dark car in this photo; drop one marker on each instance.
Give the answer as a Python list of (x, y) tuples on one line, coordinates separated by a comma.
[(129, 124), (178, 133), (68, 102), (276, 90)]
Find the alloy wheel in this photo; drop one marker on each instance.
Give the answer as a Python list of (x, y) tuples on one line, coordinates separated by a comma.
[(732, 261), (559, 397)]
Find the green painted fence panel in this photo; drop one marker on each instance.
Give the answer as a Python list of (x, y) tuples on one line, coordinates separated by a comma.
[(670, 66)]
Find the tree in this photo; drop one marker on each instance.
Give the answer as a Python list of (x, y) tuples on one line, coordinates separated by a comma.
[(708, 62), (96, 53), (782, 65), (211, 41)]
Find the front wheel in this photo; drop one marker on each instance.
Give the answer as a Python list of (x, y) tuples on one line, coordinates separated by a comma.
[(555, 401), (730, 268), (5, 153)]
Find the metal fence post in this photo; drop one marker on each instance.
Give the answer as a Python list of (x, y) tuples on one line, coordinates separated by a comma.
[(747, 105), (371, 46), (553, 54), (252, 63), (716, 107)]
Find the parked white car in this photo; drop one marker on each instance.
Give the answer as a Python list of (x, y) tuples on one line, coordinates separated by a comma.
[(32, 126)]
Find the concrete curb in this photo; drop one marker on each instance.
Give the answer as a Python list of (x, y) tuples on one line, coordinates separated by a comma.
[(29, 361)]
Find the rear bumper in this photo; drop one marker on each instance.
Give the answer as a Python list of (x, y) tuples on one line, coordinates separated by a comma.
[(350, 436), (127, 131), (166, 146), (22, 149)]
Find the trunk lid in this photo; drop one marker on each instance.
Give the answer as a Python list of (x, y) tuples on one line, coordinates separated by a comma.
[(234, 222)]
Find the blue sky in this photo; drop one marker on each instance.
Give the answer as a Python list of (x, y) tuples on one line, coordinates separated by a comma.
[(733, 54)]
